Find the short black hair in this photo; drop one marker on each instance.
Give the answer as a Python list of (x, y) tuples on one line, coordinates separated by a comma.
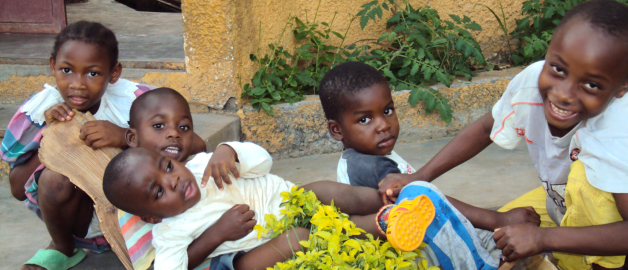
[(115, 175), (609, 16), (343, 81), (90, 33), (141, 103)]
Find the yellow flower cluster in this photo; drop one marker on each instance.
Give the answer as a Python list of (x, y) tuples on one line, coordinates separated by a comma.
[(330, 245)]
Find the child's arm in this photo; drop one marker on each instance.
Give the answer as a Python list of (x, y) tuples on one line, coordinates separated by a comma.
[(524, 240), (490, 220), (198, 145), (254, 162), (468, 143), (232, 225), (102, 133)]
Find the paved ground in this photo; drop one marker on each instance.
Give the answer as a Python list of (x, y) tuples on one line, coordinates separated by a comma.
[(160, 36), (489, 180)]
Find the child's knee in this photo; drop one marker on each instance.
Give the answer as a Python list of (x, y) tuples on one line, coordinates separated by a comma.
[(53, 185)]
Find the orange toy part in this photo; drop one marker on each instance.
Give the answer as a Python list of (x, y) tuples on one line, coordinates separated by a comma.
[(408, 221)]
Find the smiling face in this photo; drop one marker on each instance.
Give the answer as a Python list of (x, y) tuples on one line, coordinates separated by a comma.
[(158, 187), (369, 123), (82, 72), (584, 70), (164, 126)]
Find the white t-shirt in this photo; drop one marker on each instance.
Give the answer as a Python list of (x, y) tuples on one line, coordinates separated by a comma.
[(519, 117), (256, 188), (357, 169), (602, 145)]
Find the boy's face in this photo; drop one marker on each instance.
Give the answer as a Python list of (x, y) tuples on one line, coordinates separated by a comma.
[(369, 123), (82, 72), (161, 187), (164, 127), (584, 70)]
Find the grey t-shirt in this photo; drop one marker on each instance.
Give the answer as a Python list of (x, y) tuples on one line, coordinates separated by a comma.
[(359, 169)]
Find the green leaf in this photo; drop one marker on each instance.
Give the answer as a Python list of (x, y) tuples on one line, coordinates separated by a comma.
[(274, 79), (337, 34), (549, 13), (443, 78), (267, 108), (363, 21), (455, 18), (379, 12), (258, 91), (466, 19), (275, 95), (389, 73), (439, 41), (415, 96), (252, 57), (473, 26), (415, 69), (395, 18), (421, 54)]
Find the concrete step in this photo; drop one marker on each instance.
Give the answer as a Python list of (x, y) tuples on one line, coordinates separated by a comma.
[(216, 128)]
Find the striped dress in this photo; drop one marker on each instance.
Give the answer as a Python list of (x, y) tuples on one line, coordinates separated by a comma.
[(23, 136)]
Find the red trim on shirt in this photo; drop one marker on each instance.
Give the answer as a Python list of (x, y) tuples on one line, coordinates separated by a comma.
[(502, 127), (527, 103)]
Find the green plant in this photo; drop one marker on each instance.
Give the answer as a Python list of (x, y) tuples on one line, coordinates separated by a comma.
[(534, 31), (330, 245), (421, 48), (286, 77), (502, 25)]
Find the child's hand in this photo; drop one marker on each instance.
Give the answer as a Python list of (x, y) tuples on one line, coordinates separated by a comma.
[(392, 184), (100, 133), (60, 112), (518, 216), (519, 241), (236, 223), (220, 164)]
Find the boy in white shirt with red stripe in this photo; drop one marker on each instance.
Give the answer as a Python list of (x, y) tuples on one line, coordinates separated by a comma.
[(570, 112)]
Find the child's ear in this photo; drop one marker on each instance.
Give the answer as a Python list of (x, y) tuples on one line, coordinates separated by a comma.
[(131, 137), (52, 66), (115, 73), (151, 219), (622, 91), (334, 130)]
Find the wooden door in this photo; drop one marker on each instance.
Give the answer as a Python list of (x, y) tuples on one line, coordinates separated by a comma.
[(32, 16)]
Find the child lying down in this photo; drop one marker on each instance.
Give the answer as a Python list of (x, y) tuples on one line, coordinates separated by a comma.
[(163, 191)]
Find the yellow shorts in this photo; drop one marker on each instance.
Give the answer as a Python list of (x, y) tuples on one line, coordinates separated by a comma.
[(586, 206)]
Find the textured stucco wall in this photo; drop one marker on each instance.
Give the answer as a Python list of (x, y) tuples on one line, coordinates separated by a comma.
[(300, 129)]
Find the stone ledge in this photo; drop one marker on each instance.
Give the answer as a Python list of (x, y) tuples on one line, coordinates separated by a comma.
[(300, 129)]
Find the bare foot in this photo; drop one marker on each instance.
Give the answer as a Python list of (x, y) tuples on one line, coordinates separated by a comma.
[(31, 267)]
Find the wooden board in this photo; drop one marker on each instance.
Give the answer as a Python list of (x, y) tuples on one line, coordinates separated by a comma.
[(64, 152), (32, 16)]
